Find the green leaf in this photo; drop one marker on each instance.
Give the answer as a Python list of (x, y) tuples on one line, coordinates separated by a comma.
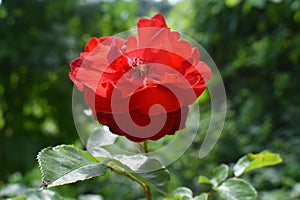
[(44, 194), (31, 194), (15, 189), (67, 164), (139, 167), (203, 196), (100, 137), (134, 162), (18, 198), (182, 193), (158, 179), (204, 179), (220, 174), (90, 197), (252, 161), (236, 189)]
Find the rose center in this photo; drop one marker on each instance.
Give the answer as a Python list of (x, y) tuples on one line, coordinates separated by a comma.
[(139, 67)]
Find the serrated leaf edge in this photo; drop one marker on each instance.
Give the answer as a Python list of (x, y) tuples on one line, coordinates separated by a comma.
[(48, 184), (44, 184), (54, 184)]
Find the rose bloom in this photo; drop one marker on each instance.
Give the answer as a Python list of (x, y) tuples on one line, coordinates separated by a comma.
[(124, 81)]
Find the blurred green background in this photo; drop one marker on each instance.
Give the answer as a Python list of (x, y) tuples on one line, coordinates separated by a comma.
[(255, 44)]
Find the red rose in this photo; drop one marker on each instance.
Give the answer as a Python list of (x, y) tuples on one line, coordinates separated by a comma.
[(141, 87)]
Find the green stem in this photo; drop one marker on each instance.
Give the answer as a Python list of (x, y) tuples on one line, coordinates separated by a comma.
[(147, 189), (144, 186), (145, 146), (211, 192)]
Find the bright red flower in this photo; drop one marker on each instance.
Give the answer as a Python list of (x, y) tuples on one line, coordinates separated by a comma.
[(123, 81)]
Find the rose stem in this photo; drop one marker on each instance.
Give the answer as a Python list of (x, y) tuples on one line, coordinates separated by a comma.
[(147, 189), (145, 146), (144, 186)]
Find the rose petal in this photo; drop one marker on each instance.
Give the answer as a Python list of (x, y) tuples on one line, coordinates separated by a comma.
[(93, 42), (160, 95), (175, 121), (157, 20)]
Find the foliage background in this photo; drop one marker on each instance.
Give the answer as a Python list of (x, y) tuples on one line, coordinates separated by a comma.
[(255, 44)]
